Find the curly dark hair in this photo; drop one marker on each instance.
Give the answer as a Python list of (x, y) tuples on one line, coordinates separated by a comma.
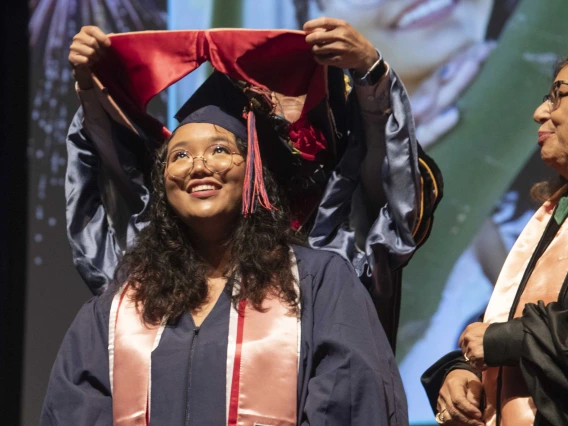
[(169, 275), (543, 191)]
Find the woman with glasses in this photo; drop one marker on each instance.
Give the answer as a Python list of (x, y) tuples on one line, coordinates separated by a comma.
[(220, 313), (513, 368)]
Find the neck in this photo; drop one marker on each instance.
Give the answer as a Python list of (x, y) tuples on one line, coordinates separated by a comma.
[(214, 250)]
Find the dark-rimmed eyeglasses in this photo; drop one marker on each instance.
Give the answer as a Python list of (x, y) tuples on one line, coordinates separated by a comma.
[(216, 159), (554, 96)]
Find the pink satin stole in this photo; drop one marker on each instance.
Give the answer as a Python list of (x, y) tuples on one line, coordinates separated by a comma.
[(131, 342), (265, 369), (262, 363), (517, 407)]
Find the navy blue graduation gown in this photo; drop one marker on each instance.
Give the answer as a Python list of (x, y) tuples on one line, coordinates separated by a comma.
[(347, 371)]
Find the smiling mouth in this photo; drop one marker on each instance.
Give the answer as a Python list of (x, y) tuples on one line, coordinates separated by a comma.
[(202, 188), (424, 13), (542, 137)]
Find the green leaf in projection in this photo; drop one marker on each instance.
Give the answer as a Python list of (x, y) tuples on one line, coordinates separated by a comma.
[(227, 14), (483, 154)]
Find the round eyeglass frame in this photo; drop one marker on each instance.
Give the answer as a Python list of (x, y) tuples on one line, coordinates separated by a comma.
[(554, 96), (195, 157)]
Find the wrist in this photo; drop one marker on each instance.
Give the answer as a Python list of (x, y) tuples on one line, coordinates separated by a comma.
[(464, 374), (503, 343), (370, 60), (373, 74), (83, 78)]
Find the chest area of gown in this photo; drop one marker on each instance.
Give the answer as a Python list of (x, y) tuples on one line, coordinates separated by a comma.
[(188, 370)]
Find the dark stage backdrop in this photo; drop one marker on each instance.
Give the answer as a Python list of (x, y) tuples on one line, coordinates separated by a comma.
[(13, 178), (55, 291)]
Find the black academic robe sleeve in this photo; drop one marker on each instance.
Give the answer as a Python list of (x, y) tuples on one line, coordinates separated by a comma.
[(355, 379), (538, 343), (544, 360), (78, 392), (433, 378)]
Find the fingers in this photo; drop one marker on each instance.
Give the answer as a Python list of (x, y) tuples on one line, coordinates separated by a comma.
[(471, 344), (461, 340), (82, 56), (85, 51), (323, 22), (86, 40), (321, 37), (328, 47), (88, 46), (475, 356), (474, 392), (453, 398), (449, 416), (453, 416), (462, 407), (333, 48), (97, 34)]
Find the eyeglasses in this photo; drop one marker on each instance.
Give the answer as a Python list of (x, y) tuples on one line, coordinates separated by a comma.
[(554, 96), (216, 159)]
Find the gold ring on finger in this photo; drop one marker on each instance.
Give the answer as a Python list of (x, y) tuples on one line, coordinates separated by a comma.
[(440, 417)]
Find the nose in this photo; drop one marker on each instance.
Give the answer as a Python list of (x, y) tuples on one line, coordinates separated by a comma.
[(199, 168), (542, 113)]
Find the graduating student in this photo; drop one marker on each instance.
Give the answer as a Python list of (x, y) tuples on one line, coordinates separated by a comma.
[(369, 197), (220, 315)]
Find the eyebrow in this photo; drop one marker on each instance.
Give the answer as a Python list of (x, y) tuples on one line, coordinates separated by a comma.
[(184, 143)]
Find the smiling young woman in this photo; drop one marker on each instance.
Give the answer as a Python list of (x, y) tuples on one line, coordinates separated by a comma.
[(197, 236)]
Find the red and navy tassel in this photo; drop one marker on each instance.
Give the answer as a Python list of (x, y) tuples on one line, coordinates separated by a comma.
[(254, 190)]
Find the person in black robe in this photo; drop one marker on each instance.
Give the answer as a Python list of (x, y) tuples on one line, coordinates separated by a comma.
[(526, 346)]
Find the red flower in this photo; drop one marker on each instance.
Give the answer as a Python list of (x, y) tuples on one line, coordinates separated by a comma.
[(306, 139)]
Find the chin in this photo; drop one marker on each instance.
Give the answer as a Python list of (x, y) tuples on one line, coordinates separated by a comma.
[(210, 216), (554, 164)]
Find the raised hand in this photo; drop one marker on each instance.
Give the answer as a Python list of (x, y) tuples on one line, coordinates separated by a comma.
[(87, 47), (335, 42)]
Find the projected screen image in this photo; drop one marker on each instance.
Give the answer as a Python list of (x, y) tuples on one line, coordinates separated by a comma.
[(475, 71)]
